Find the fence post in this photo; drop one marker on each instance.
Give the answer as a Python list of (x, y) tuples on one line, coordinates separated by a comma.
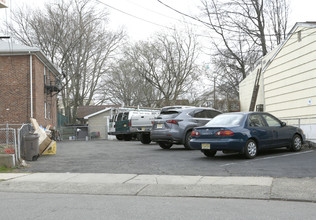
[(7, 133), (19, 143), (15, 147)]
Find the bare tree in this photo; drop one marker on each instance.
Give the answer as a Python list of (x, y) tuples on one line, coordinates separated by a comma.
[(241, 26), (278, 15), (168, 63), (74, 36), (125, 86)]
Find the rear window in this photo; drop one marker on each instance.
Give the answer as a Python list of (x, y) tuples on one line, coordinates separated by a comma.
[(226, 120), (168, 114), (204, 113)]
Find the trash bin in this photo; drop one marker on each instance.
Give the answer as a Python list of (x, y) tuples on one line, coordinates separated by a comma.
[(31, 147)]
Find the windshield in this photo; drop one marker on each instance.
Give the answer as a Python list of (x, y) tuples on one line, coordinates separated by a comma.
[(226, 120)]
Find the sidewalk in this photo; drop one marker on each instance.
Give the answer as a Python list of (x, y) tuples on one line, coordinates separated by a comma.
[(267, 188)]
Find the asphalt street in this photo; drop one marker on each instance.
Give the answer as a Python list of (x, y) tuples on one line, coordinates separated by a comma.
[(73, 206), (129, 180), (106, 156)]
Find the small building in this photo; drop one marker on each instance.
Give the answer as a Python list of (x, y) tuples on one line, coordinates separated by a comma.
[(29, 85), (86, 110), (98, 123), (287, 87)]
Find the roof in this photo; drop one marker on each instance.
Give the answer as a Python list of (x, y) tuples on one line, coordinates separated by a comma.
[(97, 113), (309, 24), (11, 49), (84, 111)]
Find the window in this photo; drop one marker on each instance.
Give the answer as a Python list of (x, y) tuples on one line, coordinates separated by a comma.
[(45, 80), (199, 114), (125, 116), (119, 117), (48, 111), (255, 121), (47, 77), (226, 120), (211, 113), (205, 114), (272, 122), (45, 109)]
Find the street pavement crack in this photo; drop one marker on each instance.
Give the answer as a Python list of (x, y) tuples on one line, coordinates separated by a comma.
[(130, 179), (136, 194)]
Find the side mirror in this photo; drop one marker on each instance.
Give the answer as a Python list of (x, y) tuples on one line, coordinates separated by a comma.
[(283, 124)]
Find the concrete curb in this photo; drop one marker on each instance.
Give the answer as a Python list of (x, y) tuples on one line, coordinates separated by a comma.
[(266, 188)]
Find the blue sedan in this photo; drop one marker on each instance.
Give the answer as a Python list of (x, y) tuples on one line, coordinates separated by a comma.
[(246, 133)]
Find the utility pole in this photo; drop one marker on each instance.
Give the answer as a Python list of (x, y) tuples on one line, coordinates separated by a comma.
[(214, 93)]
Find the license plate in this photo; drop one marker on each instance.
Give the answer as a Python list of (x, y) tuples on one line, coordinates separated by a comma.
[(143, 129), (159, 125), (206, 146)]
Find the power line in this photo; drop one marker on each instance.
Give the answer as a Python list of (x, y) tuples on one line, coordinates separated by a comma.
[(205, 23), (134, 16), (158, 13)]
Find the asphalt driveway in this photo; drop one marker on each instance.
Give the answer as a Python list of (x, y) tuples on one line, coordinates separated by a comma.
[(107, 156)]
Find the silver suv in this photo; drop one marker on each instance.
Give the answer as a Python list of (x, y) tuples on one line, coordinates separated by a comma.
[(174, 125)]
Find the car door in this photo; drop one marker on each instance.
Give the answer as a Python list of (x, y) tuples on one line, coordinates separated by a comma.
[(280, 133), (260, 130)]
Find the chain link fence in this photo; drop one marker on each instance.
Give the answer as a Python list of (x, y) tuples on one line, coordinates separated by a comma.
[(75, 132), (11, 139), (84, 132), (8, 144)]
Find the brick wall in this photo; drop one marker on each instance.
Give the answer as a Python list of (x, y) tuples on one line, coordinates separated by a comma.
[(15, 91)]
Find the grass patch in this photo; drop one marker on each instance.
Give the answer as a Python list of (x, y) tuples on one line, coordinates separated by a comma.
[(4, 169)]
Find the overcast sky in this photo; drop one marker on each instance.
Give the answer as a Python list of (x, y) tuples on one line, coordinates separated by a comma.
[(141, 18)]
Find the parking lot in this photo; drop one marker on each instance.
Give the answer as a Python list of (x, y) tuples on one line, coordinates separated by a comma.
[(107, 156)]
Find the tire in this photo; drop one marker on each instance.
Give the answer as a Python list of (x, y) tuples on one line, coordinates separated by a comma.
[(187, 141), (209, 153), (250, 149), (145, 138), (119, 137), (165, 145), (127, 137), (296, 144)]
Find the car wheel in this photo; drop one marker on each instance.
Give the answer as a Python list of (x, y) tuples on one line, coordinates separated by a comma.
[(145, 138), (251, 149), (209, 153), (187, 141), (296, 144), (127, 137), (119, 137), (165, 145)]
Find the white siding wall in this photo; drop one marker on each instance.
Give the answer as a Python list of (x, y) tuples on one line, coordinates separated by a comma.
[(246, 89), (246, 86), (290, 80), (98, 123)]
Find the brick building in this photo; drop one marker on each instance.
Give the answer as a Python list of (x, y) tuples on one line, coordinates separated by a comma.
[(28, 85)]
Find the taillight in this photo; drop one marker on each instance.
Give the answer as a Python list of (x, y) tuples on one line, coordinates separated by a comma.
[(173, 121), (195, 133), (224, 133), (130, 123)]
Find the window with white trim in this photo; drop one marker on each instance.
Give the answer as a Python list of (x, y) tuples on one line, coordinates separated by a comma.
[(45, 109), (45, 76)]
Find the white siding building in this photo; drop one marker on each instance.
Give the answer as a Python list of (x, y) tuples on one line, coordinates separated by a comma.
[(98, 123), (288, 80)]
